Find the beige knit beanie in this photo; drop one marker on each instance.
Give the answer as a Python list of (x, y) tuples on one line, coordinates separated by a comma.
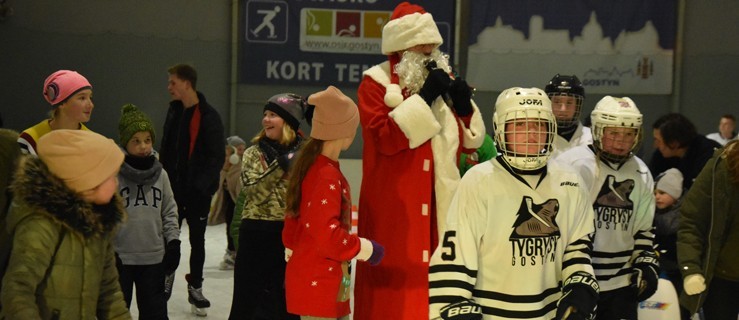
[(82, 159), (335, 117)]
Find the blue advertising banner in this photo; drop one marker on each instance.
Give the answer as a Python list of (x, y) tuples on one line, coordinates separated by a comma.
[(613, 46), (321, 42)]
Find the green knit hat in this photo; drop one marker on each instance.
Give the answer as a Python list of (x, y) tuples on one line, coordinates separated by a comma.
[(132, 121)]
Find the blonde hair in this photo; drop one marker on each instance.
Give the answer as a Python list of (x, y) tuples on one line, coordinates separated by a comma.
[(288, 135)]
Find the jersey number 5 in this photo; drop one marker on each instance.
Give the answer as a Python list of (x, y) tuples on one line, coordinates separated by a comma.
[(449, 244)]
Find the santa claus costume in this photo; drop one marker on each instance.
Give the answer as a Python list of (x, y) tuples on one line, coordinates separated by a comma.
[(410, 173)]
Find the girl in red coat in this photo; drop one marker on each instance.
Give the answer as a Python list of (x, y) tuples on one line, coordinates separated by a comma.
[(318, 245)]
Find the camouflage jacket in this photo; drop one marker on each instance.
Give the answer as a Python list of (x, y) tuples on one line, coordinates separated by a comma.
[(264, 187)]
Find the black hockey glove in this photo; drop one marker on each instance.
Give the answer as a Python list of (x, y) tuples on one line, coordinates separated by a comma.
[(462, 310), (436, 84), (580, 291), (461, 95), (645, 275), (171, 256)]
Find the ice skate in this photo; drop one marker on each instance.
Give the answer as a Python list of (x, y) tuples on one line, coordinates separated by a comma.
[(168, 283), (199, 304), (228, 260)]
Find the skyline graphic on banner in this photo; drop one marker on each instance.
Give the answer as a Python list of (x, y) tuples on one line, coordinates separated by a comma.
[(630, 62), (501, 38), (614, 16)]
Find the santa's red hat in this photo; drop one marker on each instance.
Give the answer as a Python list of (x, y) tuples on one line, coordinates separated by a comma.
[(410, 25)]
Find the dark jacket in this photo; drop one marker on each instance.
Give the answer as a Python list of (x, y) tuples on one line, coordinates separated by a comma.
[(702, 222), (204, 165), (665, 234), (690, 165), (78, 280), (9, 154)]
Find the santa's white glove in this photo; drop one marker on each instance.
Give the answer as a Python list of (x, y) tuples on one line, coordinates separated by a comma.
[(288, 254), (694, 284)]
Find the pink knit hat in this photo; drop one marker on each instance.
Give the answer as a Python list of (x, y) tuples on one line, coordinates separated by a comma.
[(335, 117), (410, 25), (63, 84)]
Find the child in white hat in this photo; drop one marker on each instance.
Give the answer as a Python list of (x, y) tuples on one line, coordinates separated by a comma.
[(668, 193), (229, 187)]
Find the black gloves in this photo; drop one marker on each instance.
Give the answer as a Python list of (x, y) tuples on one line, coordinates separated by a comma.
[(171, 256), (462, 310), (645, 276), (437, 83), (580, 291), (461, 93)]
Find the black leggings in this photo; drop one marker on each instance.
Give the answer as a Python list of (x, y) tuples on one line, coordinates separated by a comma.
[(195, 209), (149, 282), (259, 273)]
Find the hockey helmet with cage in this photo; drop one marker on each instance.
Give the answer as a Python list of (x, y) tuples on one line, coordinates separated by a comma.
[(519, 105), (559, 89), (613, 112)]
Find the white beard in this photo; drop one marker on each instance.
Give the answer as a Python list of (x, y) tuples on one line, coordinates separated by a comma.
[(412, 71)]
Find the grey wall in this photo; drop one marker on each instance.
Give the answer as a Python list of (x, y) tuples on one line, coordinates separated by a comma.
[(125, 47)]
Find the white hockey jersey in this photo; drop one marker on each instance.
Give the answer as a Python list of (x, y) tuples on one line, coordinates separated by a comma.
[(623, 203), (511, 241), (583, 136)]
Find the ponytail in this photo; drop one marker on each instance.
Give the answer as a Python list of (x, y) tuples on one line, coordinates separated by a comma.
[(306, 157)]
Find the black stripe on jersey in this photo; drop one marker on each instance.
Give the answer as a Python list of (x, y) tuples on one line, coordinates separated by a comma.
[(453, 268), (511, 314), (444, 299), (574, 261), (457, 284), (515, 298), (642, 247), (581, 249), (609, 277), (620, 254), (587, 242)]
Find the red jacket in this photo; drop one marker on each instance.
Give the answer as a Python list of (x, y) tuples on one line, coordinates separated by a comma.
[(321, 243), (409, 175)]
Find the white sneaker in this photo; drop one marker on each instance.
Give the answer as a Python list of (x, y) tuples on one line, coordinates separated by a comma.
[(229, 258)]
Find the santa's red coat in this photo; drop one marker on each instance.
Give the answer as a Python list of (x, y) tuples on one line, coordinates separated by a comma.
[(408, 179)]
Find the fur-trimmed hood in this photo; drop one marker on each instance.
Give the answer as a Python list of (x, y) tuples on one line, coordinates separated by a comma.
[(37, 191)]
